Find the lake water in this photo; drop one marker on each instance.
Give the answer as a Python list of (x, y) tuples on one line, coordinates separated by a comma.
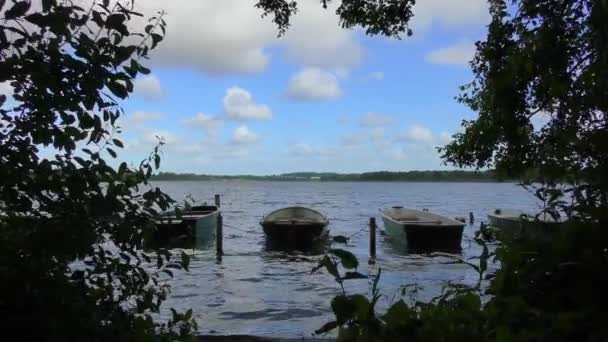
[(261, 292)]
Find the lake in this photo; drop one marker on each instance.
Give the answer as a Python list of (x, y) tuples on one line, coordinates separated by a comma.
[(269, 293)]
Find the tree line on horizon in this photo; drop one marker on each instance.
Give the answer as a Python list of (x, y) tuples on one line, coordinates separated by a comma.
[(426, 175)]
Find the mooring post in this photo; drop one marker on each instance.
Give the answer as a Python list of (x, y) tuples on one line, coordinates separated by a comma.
[(471, 218), (217, 200), (219, 235), (372, 241)]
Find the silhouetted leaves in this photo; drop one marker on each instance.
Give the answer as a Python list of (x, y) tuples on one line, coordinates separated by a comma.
[(347, 258), (71, 225)]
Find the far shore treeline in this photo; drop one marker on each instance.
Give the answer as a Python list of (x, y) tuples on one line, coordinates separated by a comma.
[(385, 176)]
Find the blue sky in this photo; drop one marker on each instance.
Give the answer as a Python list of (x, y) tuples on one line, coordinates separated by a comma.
[(229, 97)]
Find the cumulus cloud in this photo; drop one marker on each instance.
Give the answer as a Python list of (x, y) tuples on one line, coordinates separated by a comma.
[(244, 136), (307, 150), (141, 116), (201, 120), (456, 54), (239, 105), (372, 119), (352, 139), (377, 75), (313, 84), (418, 135), (6, 89), (229, 37), (451, 14), (445, 138), (148, 87)]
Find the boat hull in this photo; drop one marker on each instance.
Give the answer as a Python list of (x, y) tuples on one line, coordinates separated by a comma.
[(295, 225), (522, 226), (424, 237), (293, 234), (194, 228)]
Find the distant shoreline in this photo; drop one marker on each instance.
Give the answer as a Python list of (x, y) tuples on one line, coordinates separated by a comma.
[(379, 176), (333, 181)]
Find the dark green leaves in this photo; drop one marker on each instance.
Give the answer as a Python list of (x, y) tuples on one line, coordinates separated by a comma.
[(117, 89), (116, 22), (18, 10), (327, 327), (118, 143), (354, 275), (329, 265), (65, 64), (340, 239), (347, 258)]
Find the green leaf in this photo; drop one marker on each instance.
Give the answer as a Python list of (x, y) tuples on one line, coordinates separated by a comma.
[(348, 259), (340, 239), (329, 265), (343, 308), (397, 313), (117, 89), (111, 152), (18, 10), (157, 161), (46, 5), (118, 143), (354, 275), (327, 327)]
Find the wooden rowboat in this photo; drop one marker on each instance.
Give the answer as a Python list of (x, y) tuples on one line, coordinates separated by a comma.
[(194, 226), (514, 223), (422, 230), (295, 224)]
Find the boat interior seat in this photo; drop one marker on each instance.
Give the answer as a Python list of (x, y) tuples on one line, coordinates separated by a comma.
[(406, 217)]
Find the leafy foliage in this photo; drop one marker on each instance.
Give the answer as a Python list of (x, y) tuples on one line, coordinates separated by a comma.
[(384, 17), (540, 90), (71, 224)]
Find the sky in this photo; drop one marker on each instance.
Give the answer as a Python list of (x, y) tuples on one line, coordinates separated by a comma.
[(230, 97)]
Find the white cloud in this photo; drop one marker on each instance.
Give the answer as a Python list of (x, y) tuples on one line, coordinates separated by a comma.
[(445, 138), (141, 116), (201, 120), (450, 14), (301, 149), (307, 150), (377, 75), (239, 105), (372, 119), (148, 87), (314, 84), (6, 89), (316, 38), (418, 135), (344, 119), (352, 139), (229, 37), (456, 54), (244, 136)]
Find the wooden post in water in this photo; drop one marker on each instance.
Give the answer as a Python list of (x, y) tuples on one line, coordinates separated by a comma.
[(471, 218), (217, 200), (219, 235), (372, 241)]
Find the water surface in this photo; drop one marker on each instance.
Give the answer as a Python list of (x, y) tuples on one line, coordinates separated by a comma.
[(258, 291)]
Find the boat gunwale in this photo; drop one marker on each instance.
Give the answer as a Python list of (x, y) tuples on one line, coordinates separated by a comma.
[(325, 220), (171, 216), (413, 223)]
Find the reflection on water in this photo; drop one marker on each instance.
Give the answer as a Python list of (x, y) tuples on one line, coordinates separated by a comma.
[(264, 289)]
